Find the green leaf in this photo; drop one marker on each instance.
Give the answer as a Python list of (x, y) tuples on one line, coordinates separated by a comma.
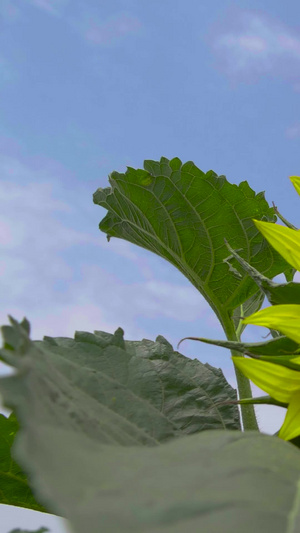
[(280, 345), (289, 274), (286, 241), (114, 391), (203, 482), (284, 318), (85, 467), (283, 360), (250, 306), (281, 293), (14, 488), (146, 392), (183, 215)]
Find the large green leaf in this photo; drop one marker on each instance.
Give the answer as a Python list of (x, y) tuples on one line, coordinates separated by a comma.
[(115, 391), (134, 385), (85, 467), (14, 488), (210, 482), (183, 215)]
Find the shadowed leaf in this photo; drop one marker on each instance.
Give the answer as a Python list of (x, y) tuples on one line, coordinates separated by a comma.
[(90, 463)]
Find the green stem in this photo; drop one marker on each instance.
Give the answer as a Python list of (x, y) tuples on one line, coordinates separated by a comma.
[(244, 388)]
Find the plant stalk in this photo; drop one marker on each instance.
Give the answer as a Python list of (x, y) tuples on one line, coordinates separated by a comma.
[(244, 389), (249, 421)]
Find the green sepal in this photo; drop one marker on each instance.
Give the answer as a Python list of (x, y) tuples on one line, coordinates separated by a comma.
[(278, 346), (277, 293), (260, 400)]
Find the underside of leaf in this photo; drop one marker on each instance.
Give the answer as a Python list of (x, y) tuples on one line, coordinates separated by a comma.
[(182, 214)]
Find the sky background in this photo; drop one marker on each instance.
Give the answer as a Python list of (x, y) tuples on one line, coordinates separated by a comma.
[(88, 87)]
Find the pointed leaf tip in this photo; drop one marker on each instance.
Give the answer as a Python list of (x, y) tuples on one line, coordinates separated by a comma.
[(296, 182), (291, 425), (285, 241), (278, 381), (283, 318)]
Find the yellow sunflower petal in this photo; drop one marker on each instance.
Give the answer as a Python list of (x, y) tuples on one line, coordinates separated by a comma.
[(296, 182), (278, 381), (291, 425), (284, 318), (286, 241)]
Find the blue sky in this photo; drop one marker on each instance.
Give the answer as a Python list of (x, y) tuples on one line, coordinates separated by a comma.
[(86, 89)]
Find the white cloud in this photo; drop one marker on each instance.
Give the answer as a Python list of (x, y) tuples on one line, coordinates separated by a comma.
[(150, 298), (97, 301), (292, 132), (53, 7), (250, 45), (7, 71), (8, 10), (109, 31), (58, 293)]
